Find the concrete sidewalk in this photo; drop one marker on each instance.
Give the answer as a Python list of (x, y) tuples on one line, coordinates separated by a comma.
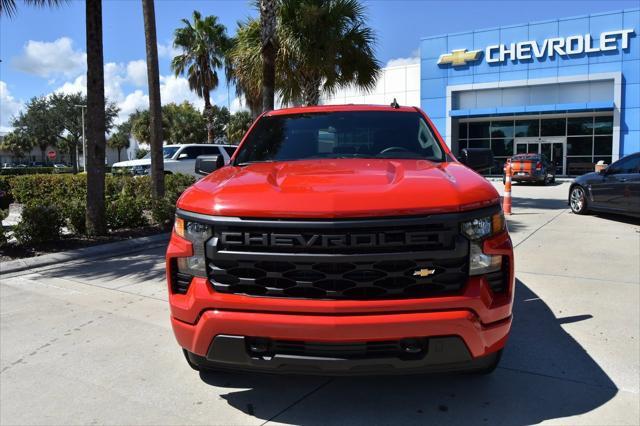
[(90, 342)]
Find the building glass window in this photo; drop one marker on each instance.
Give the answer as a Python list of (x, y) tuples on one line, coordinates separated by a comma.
[(580, 165), (580, 126), (588, 139), (462, 130), (502, 147), (479, 143), (602, 145), (603, 125), (479, 130), (553, 127), (527, 128), (501, 129), (579, 145)]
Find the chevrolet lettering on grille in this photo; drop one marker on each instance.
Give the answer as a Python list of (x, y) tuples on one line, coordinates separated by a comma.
[(376, 239)]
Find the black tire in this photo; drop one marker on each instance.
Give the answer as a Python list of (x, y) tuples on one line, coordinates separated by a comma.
[(578, 200), (490, 368)]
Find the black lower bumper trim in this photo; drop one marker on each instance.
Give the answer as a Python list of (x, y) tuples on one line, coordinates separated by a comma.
[(444, 354)]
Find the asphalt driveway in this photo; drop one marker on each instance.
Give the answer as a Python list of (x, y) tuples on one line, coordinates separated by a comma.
[(90, 342)]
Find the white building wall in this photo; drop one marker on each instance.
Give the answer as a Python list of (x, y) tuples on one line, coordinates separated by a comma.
[(400, 82)]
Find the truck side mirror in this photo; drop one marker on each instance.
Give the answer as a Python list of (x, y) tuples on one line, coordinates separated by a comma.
[(477, 158), (206, 164)]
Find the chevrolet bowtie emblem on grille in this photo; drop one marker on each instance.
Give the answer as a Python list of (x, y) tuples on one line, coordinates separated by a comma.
[(424, 272), (459, 57)]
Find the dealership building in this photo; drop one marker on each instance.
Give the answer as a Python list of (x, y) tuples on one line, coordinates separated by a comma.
[(568, 88)]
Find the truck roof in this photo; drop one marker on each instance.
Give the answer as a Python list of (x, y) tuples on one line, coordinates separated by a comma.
[(340, 108)]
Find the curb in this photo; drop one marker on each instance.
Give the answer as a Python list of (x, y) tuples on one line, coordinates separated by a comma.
[(101, 250)]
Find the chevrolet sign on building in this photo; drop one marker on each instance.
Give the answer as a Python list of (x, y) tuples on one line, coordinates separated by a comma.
[(572, 45), (567, 88)]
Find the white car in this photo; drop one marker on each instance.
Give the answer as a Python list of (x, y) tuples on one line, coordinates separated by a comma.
[(177, 159)]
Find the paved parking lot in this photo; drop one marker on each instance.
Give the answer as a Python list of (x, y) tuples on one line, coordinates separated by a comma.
[(91, 343)]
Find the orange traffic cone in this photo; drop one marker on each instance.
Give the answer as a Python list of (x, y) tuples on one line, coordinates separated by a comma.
[(506, 199)]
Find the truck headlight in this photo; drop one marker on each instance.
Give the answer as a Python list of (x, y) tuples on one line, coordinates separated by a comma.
[(476, 230), (482, 227), (198, 234)]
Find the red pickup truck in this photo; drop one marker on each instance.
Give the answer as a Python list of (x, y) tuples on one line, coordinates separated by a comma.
[(342, 240)]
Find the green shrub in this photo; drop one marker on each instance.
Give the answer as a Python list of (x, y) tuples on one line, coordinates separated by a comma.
[(28, 171), (74, 212), (3, 235), (39, 224), (163, 212), (6, 197), (125, 212)]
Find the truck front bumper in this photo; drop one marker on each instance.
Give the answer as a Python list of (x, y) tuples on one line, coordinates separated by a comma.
[(456, 340)]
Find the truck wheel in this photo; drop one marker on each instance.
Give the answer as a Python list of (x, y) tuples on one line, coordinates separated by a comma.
[(488, 369), (578, 200)]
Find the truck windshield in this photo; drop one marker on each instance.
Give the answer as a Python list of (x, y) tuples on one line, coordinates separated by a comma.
[(351, 134)]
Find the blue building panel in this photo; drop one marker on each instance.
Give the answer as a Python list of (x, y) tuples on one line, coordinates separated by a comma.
[(559, 69)]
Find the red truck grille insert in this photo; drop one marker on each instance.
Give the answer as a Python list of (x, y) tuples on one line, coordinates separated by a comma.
[(340, 260)]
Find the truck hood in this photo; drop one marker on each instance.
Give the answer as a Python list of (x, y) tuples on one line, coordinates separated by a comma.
[(339, 188)]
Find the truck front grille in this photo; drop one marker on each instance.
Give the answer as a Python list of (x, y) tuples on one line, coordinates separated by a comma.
[(339, 260), (328, 279)]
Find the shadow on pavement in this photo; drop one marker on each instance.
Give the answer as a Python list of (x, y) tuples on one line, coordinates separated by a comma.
[(545, 374), (140, 265)]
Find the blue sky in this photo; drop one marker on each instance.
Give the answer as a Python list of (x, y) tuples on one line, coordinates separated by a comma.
[(43, 50)]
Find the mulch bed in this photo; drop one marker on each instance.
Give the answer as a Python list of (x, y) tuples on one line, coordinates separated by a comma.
[(71, 242)]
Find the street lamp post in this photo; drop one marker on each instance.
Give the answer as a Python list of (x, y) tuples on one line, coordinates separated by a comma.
[(84, 144)]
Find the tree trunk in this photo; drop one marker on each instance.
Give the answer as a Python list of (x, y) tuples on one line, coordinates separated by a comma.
[(208, 116), (95, 219), (311, 90), (268, 52), (155, 108), (72, 159), (43, 149), (120, 149)]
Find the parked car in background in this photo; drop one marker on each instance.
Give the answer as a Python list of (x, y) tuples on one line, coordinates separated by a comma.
[(531, 168), (615, 189), (37, 164), (177, 159)]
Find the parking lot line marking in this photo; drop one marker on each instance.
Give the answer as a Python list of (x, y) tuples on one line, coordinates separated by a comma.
[(540, 227)]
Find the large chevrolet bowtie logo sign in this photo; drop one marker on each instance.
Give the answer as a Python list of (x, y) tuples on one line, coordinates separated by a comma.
[(607, 41), (459, 57)]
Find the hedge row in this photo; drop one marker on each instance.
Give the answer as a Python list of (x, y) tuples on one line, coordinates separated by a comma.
[(53, 201), (35, 171)]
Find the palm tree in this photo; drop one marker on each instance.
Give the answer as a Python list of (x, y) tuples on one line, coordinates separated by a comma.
[(268, 10), (245, 65), (323, 45), (119, 140), (331, 47), (9, 7), (155, 107), (95, 218), (204, 43)]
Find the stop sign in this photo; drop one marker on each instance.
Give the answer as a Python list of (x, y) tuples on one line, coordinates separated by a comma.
[(51, 155)]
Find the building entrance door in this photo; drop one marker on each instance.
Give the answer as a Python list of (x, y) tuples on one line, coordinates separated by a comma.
[(554, 148)]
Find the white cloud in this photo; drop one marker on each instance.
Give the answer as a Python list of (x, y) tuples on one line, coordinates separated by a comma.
[(9, 107), (136, 100), (168, 51), (79, 84), (46, 59), (137, 73), (414, 58), (176, 89)]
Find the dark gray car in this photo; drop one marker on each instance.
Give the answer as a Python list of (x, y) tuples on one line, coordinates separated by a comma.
[(615, 189)]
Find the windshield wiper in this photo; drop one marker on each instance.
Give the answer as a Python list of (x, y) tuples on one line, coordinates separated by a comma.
[(246, 163)]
